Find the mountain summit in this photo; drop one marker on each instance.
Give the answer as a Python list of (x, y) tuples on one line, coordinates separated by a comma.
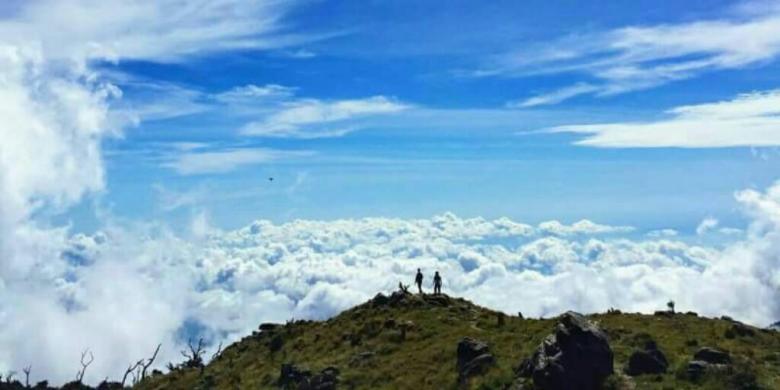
[(409, 341)]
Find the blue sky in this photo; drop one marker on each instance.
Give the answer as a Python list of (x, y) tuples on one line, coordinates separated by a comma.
[(462, 134), (544, 156)]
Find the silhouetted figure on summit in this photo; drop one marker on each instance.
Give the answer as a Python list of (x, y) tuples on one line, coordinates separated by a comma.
[(418, 280), (436, 283)]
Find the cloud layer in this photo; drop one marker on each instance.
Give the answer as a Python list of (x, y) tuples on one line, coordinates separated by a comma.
[(122, 290)]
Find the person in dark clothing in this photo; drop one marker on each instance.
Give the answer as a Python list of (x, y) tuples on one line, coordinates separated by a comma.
[(436, 283), (418, 280)]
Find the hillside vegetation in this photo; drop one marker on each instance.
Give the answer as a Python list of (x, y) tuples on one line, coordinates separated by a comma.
[(411, 342)]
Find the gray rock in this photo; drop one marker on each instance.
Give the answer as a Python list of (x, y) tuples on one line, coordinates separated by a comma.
[(712, 356), (696, 369), (292, 376), (648, 361), (469, 348), (295, 377), (576, 356), (380, 300), (267, 326), (474, 358), (477, 366)]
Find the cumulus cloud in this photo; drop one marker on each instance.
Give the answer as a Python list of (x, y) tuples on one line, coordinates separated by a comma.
[(640, 57), (224, 283), (748, 120), (221, 284), (581, 227), (56, 296), (127, 287)]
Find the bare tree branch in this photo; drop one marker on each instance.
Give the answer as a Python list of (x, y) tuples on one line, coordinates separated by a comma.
[(130, 369), (149, 361), (84, 364), (194, 356), (26, 371), (218, 352)]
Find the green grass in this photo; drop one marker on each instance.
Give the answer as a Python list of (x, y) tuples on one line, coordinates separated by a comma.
[(426, 358)]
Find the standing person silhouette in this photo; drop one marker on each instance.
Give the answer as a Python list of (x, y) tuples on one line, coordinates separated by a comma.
[(418, 280), (436, 283)]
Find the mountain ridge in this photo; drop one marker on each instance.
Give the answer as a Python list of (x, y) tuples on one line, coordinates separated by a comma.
[(406, 340), (414, 341)]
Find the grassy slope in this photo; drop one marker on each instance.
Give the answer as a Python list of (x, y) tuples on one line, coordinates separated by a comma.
[(426, 358)]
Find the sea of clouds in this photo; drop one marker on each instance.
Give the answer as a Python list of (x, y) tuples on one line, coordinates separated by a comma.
[(132, 285), (128, 287)]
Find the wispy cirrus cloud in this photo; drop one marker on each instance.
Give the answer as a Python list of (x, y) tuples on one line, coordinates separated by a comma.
[(555, 96), (641, 57), (270, 110), (166, 30), (252, 93), (226, 160), (748, 120), (314, 118)]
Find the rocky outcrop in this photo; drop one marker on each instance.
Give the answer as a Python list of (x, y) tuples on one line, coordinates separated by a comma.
[(474, 358), (712, 356), (650, 360), (295, 377), (576, 356), (739, 329), (706, 359)]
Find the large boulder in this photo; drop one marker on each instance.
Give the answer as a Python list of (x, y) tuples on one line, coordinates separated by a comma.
[(696, 369), (380, 300), (648, 361), (706, 359), (712, 356), (575, 356), (474, 358)]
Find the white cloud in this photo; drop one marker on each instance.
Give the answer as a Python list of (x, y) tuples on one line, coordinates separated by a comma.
[(640, 57), (204, 162), (312, 118), (706, 225), (555, 96), (748, 120), (56, 297), (269, 110), (253, 93), (163, 30), (223, 283), (581, 227), (661, 233)]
